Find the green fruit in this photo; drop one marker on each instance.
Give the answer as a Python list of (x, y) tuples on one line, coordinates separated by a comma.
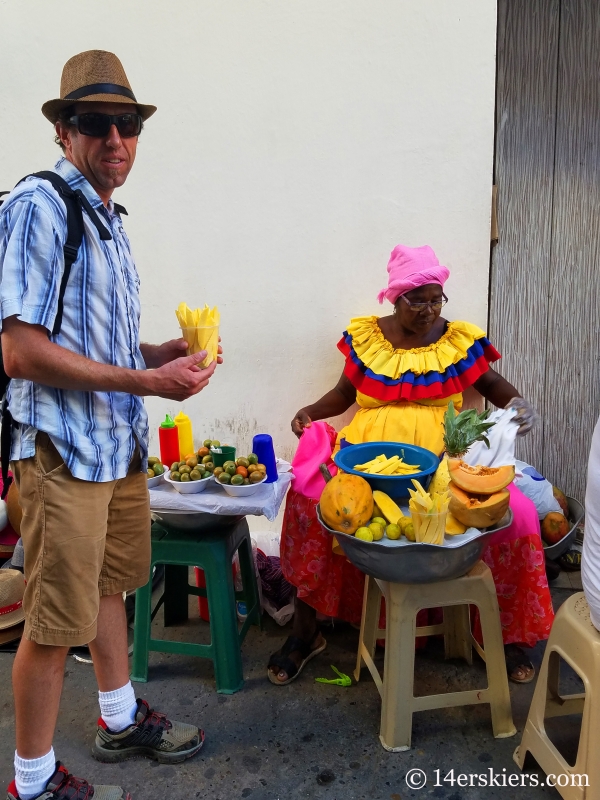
[(215, 443), (207, 443), (393, 532), (224, 477), (196, 475), (150, 473), (217, 471), (185, 470), (252, 458), (185, 477), (365, 534), (158, 469), (256, 476), (209, 466), (242, 462), (152, 460), (230, 468), (377, 531), (246, 482), (228, 463), (380, 521), (237, 480), (207, 459), (175, 466), (175, 476)]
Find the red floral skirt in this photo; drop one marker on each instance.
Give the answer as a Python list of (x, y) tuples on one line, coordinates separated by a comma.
[(333, 586)]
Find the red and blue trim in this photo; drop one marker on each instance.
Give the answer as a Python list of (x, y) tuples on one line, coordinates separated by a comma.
[(429, 385)]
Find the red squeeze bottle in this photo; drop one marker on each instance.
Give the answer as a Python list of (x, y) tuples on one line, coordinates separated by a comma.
[(168, 437)]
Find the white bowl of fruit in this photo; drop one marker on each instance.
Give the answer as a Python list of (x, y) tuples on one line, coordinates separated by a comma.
[(191, 475), (155, 472), (241, 477)]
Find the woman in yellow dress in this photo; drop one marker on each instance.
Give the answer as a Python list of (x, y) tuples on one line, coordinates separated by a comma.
[(403, 370)]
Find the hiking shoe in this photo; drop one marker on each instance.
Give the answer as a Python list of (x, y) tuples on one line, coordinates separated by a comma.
[(63, 786), (151, 735)]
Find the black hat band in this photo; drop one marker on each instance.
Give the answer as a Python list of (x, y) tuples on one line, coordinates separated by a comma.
[(101, 88)]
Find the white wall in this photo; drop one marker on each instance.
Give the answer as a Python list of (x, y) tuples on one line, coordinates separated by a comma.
[(295, 144)]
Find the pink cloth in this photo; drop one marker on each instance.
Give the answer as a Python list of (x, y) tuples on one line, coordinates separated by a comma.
[(525, 519), (409, 268), (314, 448)]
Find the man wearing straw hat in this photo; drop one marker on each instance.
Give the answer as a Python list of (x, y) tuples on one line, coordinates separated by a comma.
[(80, 445)]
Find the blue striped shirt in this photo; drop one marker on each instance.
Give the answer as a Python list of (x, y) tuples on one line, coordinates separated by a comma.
[(94, 432)]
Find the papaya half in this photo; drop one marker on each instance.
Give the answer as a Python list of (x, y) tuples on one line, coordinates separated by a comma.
[(477, 510), (479, 479)]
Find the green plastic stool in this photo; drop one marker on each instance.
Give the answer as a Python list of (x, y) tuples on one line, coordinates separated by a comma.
[(212, 549)]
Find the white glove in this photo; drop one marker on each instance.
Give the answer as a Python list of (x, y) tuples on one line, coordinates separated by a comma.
[(527, 417)]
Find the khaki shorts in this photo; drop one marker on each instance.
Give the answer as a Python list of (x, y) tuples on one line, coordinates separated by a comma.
[(82, 540)]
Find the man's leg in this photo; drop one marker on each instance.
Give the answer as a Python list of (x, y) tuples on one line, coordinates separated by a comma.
[(37, 684), (109, 648)]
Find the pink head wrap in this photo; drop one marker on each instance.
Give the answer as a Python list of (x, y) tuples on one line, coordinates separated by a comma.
[(409, 268)]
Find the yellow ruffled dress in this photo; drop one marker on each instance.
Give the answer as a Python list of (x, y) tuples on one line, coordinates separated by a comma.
[(403, 394)]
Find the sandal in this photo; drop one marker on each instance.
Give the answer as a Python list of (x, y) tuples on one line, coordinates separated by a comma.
[(282, 659), (516, 658), (570, 561)]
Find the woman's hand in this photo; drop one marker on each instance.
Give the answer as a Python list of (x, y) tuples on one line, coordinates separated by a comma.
[(527, 416), (300, 421)]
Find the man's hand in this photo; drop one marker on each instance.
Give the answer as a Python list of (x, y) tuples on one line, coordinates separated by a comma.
[(157, 355), (181, 378)]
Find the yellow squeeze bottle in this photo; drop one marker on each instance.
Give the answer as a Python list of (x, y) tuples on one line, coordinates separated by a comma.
[(184, 430)]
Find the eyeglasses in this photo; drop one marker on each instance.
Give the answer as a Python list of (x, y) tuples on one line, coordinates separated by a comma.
[(98, 125), (436, 305)]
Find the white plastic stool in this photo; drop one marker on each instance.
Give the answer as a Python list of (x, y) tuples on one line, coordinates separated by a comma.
[(402, 602), (574, 638)]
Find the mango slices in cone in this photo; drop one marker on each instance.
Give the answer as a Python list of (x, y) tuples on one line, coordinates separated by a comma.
[(428, 512), (200, 329)]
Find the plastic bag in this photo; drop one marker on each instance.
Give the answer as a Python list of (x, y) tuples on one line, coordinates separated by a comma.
[(536, 488), (314, 448), (501, 437)]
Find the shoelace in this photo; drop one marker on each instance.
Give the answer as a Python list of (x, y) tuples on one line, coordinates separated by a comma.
[(70, 783), (156, 718)]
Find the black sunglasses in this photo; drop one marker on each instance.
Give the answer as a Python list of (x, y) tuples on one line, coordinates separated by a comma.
[(96, 124)]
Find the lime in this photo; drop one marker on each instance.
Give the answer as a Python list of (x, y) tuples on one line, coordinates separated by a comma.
[(365, 534), (237, 480), (150, 473), (158, 469), (175, 475), (209, 466), (218, 471), (152, 460), (380, 521), (185, 470), (175, 466), (393, 532), (242, 462), (185, 477), (253, 458), (228, 464), (256, 476), (196, 475), (215, 443), (230, 468), (207, 443), (224, 477), (206, 459), (377, 531)]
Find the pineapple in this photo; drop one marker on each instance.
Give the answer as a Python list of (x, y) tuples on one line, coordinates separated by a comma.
[(464, 429), (460, 432)]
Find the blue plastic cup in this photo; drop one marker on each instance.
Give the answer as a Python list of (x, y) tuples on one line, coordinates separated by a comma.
[(262, 446)]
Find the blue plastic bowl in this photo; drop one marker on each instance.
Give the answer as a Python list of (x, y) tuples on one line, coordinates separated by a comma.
[(396, 486)]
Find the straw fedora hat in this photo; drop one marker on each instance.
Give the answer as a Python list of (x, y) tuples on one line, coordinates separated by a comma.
[(94, 76), (12, 588)]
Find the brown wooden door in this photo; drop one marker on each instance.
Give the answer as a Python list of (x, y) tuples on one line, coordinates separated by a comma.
[(545, 278)]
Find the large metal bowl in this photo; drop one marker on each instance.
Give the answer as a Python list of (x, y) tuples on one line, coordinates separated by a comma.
[(415, 562), (576, 512)]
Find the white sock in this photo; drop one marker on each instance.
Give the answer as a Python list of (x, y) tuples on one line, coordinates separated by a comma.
[(32, 774), (118, 708)]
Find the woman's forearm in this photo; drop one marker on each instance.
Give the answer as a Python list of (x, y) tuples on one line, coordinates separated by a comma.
[(496, 389)]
